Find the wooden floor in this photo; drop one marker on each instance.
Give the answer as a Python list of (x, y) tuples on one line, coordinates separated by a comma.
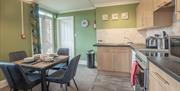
[(90, 80)]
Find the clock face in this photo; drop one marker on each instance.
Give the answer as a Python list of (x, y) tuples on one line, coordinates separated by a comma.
[(84, 23)]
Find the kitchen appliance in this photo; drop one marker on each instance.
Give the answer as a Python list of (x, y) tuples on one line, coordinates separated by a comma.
[(151, 42), (142, 72), (175, 46)]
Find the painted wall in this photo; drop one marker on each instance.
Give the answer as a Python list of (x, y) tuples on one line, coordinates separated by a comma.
[(10, 29), (118, 31), (130, 23), (85, 37)]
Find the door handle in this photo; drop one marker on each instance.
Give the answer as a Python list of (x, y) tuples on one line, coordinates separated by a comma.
[(161, 78)]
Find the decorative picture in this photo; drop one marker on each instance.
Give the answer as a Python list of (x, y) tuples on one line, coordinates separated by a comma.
[(115, 16), (105, 17), (124, 15)]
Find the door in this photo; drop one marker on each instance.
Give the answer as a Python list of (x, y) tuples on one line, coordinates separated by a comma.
[(66, 34)]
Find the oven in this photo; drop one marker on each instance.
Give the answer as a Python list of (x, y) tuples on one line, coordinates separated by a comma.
[(141, 73)]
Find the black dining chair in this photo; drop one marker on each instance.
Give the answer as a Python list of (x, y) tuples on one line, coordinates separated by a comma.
[(62, 51), (65, 76), (17, 79), (19, 55)]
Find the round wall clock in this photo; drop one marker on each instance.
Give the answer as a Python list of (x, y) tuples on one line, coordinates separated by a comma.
[(84, 23)]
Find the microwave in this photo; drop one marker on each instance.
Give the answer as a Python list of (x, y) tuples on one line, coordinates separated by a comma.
[(175, 46)]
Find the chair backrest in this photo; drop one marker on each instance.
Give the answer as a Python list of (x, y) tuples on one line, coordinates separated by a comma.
[(14, 75), (72, 68), (6, 73), (18, 55), (63, 51)]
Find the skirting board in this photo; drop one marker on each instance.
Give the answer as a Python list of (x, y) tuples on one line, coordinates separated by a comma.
[(3, 84)]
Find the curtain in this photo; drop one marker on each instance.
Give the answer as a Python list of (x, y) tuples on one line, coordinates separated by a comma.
[(35, 29)]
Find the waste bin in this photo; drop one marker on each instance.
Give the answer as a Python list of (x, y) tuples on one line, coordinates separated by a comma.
[(90, 59)]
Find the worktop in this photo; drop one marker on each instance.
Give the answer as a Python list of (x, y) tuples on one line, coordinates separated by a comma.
[(133, 46), (170, 65)]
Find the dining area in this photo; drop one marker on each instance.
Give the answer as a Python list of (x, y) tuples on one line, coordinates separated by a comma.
[(23, 73)]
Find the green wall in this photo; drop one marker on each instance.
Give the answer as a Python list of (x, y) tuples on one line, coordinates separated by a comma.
[(10, 29), (86, 37), (130, 23)]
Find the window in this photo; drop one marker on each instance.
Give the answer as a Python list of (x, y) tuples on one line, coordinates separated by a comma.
[(46, 32)]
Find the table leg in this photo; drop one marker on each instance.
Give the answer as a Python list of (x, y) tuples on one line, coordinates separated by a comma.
[(43, 81)]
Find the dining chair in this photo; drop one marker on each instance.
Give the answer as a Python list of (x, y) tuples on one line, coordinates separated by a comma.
[(65, 76), (62, 51), (19, 55), (17, 79)]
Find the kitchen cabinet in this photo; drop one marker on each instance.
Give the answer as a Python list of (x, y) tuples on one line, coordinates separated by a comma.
[(160, 81), (148, 18), (160, 3), (178, 9), (117, 59)]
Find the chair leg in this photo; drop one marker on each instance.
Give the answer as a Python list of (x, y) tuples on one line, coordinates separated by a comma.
[(75, 84), (61, 85), (66, 87), (48, 86)]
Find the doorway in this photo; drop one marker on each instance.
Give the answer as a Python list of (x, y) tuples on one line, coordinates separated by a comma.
[(65, 34)]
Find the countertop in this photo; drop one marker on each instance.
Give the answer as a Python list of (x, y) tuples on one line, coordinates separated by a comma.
[(170, 65), (133, 46)]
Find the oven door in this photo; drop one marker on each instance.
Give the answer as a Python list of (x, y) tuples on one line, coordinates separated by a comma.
[(139, 79)]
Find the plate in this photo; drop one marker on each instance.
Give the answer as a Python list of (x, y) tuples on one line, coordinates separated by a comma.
[(29, 60)]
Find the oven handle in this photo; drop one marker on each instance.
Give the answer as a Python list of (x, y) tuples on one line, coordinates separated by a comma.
[(161, 78), (140, 69)]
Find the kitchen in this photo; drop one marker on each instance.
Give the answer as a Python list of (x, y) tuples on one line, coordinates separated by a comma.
[(139, 38)]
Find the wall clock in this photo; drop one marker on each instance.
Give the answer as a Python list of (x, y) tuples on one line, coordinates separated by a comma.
[(84, 23)]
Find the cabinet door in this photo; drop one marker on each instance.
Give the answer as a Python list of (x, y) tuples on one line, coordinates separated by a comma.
[(121, 62), (148, 13), (104, 59), (178, 9), (154, 85)]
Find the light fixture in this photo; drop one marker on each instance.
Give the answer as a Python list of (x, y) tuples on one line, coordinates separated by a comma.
[(23, 36)]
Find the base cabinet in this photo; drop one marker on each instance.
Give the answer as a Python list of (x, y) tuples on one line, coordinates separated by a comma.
[(160, 81), (116, 59)]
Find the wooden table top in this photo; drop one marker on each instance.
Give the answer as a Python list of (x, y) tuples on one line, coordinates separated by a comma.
[(43, 65)]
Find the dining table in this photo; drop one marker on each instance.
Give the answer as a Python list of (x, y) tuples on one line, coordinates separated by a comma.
[(43, 66)]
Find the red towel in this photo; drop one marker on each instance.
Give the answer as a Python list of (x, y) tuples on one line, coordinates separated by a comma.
[(133, 72)]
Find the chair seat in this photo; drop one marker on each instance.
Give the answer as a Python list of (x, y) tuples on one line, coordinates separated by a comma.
[(60, 66), (35, 80), (56, 76)]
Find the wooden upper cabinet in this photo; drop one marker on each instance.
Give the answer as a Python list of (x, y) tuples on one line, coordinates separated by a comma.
[(148, 17), (178, 9), (160, 3)]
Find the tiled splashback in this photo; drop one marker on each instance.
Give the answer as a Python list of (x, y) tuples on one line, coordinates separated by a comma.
[(132, 34), (173, 30), (121, 35)]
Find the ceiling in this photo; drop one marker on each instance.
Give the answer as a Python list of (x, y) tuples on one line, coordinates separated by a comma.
[(63, 6)]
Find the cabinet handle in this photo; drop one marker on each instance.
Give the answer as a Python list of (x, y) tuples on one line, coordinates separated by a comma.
[(161, 78)]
